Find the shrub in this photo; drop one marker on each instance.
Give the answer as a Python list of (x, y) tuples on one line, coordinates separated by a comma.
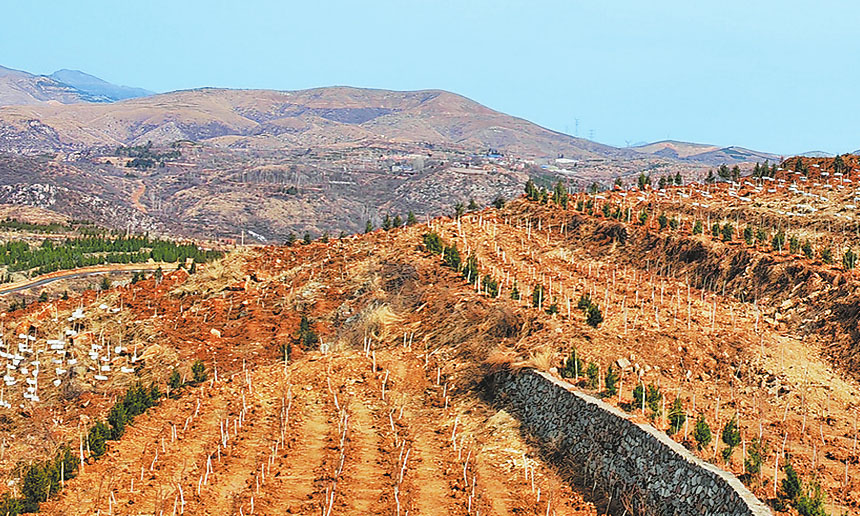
[(748, 235), (537, 296), (702, 433), (676, 416), (731, 437), (849, 259), (175, 381), (491, 286), (99, 433), (552, 309), (652, 397), (498, 202), (807, 249), (433, 243), (35, 488), (791, 485), (663, 220), (610, 381), (470, 269), (794, 245), (306, 337), (592, 373), (761, 236), (573, 366), (697, 228), (584, 301), (715, 230), (643, 217), (826, 255), (753, 460), (673, 223), (198, 371), (451, 257), (515, 293), (593, 316), (778, 241), (728, 232), (116, 419)]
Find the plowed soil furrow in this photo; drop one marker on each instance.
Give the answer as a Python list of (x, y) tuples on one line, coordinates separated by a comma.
[(290, 488), (235, 476), (366, 475)]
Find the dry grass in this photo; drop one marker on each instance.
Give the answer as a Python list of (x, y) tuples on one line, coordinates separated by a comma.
[(215, 276)]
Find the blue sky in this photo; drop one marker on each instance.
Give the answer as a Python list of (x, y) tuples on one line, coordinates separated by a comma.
[(779, 76)]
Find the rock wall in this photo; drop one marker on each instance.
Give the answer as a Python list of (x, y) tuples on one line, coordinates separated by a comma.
[(637, 463)]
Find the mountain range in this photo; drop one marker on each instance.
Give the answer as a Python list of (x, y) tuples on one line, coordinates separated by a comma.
[(213, 161), (70, 110), (61, 87)]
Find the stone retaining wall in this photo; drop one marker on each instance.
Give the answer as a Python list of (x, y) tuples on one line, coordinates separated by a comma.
[(633, 461)]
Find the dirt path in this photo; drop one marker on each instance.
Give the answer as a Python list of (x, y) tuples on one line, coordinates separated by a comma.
[(136, 195)]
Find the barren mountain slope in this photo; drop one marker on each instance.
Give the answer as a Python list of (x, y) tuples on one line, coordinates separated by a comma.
[(274, 119)]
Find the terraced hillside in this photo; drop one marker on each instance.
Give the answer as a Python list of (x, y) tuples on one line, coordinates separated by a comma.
[(349, 377)]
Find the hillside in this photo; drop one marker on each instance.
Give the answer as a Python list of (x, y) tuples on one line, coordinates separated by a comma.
[(274, 120), (355, 376), (707, 154)]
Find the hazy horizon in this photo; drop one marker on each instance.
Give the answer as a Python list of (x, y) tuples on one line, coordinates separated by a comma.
[(630, 73)]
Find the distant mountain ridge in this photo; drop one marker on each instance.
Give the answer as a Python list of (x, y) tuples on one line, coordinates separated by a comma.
[(19, 88), (279, 120), (98, 87), (704, 153)]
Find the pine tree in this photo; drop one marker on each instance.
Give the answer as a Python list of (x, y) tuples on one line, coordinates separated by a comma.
[(473, 206), (593, 316), (386, 222), (35, 487), (368, 227), (702, 433), (175, 381), (410, 218), (198, 371), (117, 418), (677, 417), (592, 372), (731, 437), (697, 228), (610, 381)]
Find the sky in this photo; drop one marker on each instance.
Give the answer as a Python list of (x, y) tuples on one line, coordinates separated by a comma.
[(779, 76)]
